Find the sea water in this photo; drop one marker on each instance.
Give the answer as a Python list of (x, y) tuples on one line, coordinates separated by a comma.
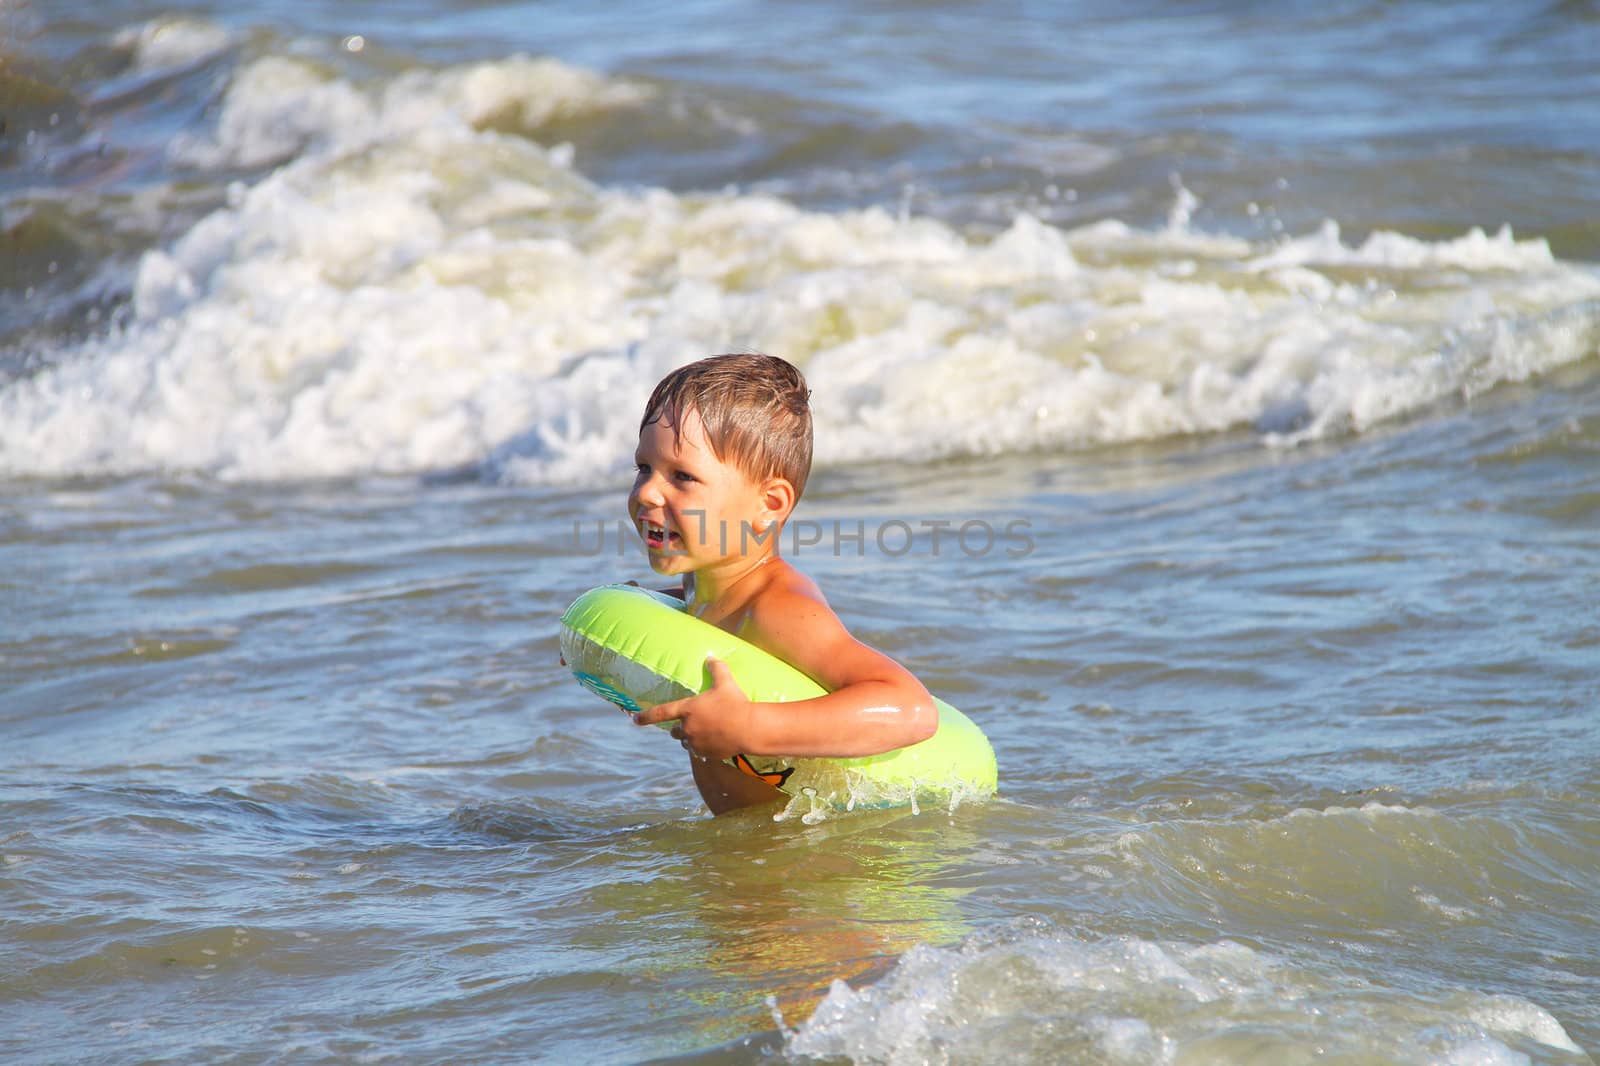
[(1207, 401)]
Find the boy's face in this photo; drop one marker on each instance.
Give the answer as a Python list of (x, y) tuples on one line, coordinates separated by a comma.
[(691, 509)]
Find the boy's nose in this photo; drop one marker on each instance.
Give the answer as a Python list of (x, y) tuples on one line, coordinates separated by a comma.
[(649, 493)]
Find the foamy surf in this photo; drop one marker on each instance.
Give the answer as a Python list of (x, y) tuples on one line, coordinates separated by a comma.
[(1039, 993), (164, 43), (417, 284)]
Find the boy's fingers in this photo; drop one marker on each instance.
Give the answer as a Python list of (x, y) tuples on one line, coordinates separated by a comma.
[(720, 674), (661, 712)]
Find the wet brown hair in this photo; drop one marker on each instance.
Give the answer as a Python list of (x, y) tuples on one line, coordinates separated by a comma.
[(756, 410)]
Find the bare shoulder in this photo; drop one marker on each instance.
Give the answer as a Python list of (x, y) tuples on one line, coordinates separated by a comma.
[(791, 619), (786, 588), (790, 613)]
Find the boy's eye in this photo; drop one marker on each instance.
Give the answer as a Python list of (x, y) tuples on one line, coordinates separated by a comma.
[(684, 475)]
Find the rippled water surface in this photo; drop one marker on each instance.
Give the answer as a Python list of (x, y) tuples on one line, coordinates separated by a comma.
[(1264, 344)]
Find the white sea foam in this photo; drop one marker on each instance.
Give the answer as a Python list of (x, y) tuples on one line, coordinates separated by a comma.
[(1476, 251), (1505, 1014), (173, 42), (277, 107), (419, 285), (1039, 994)]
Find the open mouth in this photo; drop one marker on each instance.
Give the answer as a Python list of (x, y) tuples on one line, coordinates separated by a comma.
[(657, 537)]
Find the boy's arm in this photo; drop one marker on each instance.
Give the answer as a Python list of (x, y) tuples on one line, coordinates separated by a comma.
[(873, 704)]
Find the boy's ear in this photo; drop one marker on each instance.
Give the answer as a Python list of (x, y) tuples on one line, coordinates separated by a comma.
[(777, 499)]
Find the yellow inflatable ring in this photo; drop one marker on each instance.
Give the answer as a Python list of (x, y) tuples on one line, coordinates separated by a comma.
[(638, 648)]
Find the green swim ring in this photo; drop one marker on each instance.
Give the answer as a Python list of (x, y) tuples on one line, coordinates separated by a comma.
[(637, 648)]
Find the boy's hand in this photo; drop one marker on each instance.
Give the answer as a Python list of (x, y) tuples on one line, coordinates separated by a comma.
[(716, 723)]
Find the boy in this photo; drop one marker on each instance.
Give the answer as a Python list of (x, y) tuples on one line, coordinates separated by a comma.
[(724, 451)]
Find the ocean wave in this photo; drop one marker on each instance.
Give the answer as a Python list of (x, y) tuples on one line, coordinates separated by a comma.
[(163, 43), (418, 284), (1037, 993), (1340, 870), (279, 107)]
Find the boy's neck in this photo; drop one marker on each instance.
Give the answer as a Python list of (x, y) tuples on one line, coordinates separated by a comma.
[(714, 585)]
